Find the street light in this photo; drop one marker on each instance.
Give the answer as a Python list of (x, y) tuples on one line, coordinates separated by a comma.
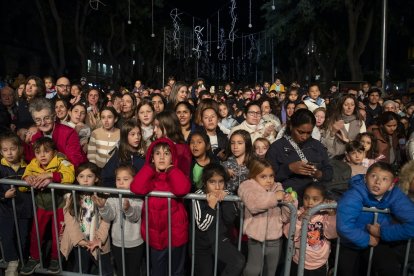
[(97, 51)]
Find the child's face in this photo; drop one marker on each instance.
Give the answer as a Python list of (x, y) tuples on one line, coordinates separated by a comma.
[(266, 178), (146, 115), (44, 155), (238, 146), (134, 137), (293, 96), (320, 118), (355, 157), (282, 96), (366, 142), (379, 182), (78, 114), (10, 152), (159, 133), (260, 149), (162, 158), (223, 110), (266, 109), (86, 178), (391, 127), (209, 119), (314, 92), (312, 197), (215, 183), (48, 83), (124, 179), (290, 109), (197, 146), (108, 119)]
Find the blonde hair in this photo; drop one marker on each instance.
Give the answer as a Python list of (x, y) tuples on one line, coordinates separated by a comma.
[(406, 176)]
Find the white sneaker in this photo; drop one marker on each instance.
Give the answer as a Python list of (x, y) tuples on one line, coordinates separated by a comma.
[(12, 268)]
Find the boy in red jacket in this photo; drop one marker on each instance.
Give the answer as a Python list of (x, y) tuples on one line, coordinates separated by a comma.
[(160, 173)]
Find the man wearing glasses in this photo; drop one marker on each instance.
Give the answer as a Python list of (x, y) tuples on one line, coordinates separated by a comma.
[(62, 89)]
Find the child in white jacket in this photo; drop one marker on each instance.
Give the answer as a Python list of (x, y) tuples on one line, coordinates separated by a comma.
[(110, 211)]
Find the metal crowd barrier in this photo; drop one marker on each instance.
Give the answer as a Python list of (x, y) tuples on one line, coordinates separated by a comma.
[(303, 239), (120, 193)]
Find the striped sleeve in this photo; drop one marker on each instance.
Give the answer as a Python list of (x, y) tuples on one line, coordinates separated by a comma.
[(204, 215)]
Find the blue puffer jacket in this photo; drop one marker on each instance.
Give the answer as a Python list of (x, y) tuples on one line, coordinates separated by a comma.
[(352, 222)]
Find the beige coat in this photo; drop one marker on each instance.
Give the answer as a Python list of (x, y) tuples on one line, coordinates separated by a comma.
[(72, 234), (262, 210)]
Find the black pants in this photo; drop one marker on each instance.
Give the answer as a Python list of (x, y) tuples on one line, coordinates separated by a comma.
[(322, 271), (228, 257), (88, 261), (8, 237), (133, 260), (355, 262), (159, 261)]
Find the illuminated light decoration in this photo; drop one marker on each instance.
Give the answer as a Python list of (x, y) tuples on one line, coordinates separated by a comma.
[(273, 5), (218, 30), (175, 16), (224, 71), (233, 20), (129, 12), (94, 4), (222, 48), (152, 18), (250, 14), (198, 34)]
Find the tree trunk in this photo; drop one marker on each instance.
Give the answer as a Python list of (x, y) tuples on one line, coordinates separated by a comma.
[(358, 35), (80, 20), (113, 55), (59, 36)]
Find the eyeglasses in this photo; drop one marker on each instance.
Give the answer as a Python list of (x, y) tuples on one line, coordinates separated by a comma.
[(63, 85), (254, 114), (46, 119)]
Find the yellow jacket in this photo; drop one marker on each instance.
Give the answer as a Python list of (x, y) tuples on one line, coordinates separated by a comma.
[(63, 172)]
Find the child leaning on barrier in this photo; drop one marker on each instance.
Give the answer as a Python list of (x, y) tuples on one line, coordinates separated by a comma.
[(12, 166), (357, 228), (161, 173), (48, 166), (110, 210), (263, 217), (213, 181), (321, 227), (84, 228)]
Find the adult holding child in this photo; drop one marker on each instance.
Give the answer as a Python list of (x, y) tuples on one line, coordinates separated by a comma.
[(66, 138)]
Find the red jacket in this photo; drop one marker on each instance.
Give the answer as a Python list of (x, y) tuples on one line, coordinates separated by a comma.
[(174, 181), (67, 142), (185, 157)]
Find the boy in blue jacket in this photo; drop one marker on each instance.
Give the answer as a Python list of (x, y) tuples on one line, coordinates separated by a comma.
[(357, 229)]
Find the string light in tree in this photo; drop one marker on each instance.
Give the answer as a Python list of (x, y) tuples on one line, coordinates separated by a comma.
[(129, 12), (198, 33), (233, 20), (94, 4), (250, 14), (273, 5), (152, 18), (218, 30), (175, 16)]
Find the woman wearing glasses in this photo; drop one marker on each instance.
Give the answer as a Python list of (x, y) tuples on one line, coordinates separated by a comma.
[(252, 123), (66, 138)]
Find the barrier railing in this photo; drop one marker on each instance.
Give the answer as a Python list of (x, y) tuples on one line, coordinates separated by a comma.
[(120, 193), (303, 239)]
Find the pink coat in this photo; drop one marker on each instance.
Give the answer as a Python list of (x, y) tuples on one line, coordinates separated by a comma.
[(67, 142), (263, 220), (321, 228), (174, 181)]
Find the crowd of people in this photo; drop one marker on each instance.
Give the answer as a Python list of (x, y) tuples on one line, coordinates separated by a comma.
[(267, 144)]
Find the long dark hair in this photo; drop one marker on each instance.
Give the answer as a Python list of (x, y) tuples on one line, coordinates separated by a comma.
[(247, 142), (97, 172), (209, 171), (125, 150), (383, 119), (41, 88), (372, 153), (169, 123)]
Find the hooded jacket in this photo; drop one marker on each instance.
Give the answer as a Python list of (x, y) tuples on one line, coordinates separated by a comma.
[(173, 180), (23, 200), (352, 222)]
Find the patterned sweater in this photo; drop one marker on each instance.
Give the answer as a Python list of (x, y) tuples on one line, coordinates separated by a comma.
[(101, 145)]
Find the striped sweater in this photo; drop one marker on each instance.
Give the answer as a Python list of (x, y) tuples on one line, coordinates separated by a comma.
[(101, 145)]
